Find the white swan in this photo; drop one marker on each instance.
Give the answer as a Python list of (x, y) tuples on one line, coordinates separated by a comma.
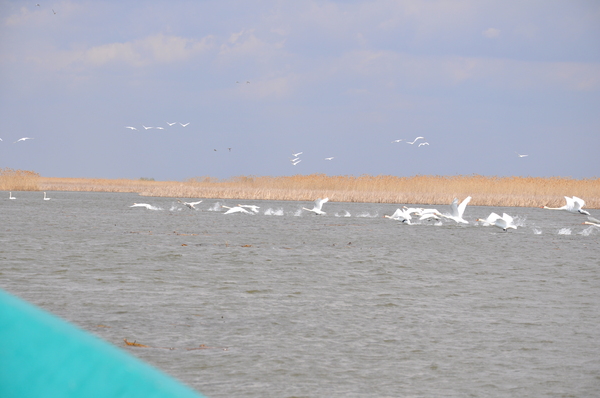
[(46, 198), (573, 205), (184, 125), (457, 211), (296, 162), (318, 206), (10, 196), (147, 128), (130, 127), (401, 139), (503, 222), (170, 124), (593, 221), (401, 215), (191, 205), (331, 158), (521, 156), (297, 154), (415, 140), (424, 143), (254, 208), (146, 205), (22, 139), (235, 209)]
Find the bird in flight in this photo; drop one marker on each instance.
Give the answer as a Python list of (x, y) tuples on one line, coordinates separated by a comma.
[(170, 124), (401, 139), (296, 154), (147, 128), (22, 139), (130, 127), (183, 125), (418, 138), (424, 143), (160, 128), (329, 158), (296, 162), (519, 155)]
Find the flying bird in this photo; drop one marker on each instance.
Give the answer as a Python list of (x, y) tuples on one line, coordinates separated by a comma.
[(503, 222), (146, 205), (318, 206), (147, 128), (235, 209), (401, 139), (191, 205), (130, 127), (521, 156), (573, 205), (184, 125), (457, 210), (54, 11), (160, 128), (329, 158), (402, 215), (296, 162), (415, 140), (297, 154), (423, 143), (170, 124), (254, 208), (22, 139)]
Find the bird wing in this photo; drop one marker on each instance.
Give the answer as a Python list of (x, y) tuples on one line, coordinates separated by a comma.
[(570, 203), (319, 203), (578, 203), (195, 203), (454, 208), (463, 206), (507, 218)]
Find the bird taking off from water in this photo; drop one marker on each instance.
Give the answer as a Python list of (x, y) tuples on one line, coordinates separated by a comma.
[(574, 205), (318, 206), (191, 205)]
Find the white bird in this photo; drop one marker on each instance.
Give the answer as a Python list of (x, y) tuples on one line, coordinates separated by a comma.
[(573, 205), (146, 205), (254, 208), (521, 156), (147, 128), (318, 206), (184, 125), (415, 140), (170, 124), (22, 139), (10, 196), (329, 158), (160, 128), (191, 205), (489, 220), (294, 159), (296, 162), (593, 221), (235, 209), (457, 211), (423, 143), (401, 139), (130, 127), (297, 154), (45, 197), (505, 222), (401, 215)]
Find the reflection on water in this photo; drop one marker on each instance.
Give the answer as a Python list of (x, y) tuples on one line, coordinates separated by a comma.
[(346, 304)]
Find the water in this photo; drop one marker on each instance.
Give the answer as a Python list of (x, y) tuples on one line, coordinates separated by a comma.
[(292, 304)]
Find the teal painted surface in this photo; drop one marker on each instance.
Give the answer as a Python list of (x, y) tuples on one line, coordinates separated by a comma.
[(44, 356)]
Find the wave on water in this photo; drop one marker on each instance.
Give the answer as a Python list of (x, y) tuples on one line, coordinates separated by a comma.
[(367, 215), (564, 231), (298, 213), (589, 230), (537, 231), (215, 207), (343, 213), (272, 212)]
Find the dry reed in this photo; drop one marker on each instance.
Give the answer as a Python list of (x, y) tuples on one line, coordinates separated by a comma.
[(430, 190), (18, 180)]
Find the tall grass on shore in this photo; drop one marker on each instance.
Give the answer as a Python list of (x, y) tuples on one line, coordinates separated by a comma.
[(426, 190), (18, 180)]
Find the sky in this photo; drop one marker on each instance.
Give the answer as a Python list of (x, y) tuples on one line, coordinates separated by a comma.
[(481, 81)]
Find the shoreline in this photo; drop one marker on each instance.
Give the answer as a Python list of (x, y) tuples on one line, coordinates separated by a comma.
[(419, 190), (424, 190)]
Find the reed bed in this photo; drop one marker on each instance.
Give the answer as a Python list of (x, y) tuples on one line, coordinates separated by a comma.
[(18, 180), (425, 190)]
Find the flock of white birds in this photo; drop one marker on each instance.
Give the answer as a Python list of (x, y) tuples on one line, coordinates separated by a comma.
[(405, 215)]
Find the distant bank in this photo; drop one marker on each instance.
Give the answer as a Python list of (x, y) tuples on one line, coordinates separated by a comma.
[(434, 190)]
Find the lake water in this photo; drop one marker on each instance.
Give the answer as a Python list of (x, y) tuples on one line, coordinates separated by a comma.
[(292, 304)]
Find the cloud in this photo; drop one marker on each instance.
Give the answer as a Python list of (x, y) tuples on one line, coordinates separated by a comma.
[(157, 49), (491, 33)]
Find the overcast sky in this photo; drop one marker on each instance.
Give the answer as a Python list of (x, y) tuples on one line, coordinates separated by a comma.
[(259, 80)]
